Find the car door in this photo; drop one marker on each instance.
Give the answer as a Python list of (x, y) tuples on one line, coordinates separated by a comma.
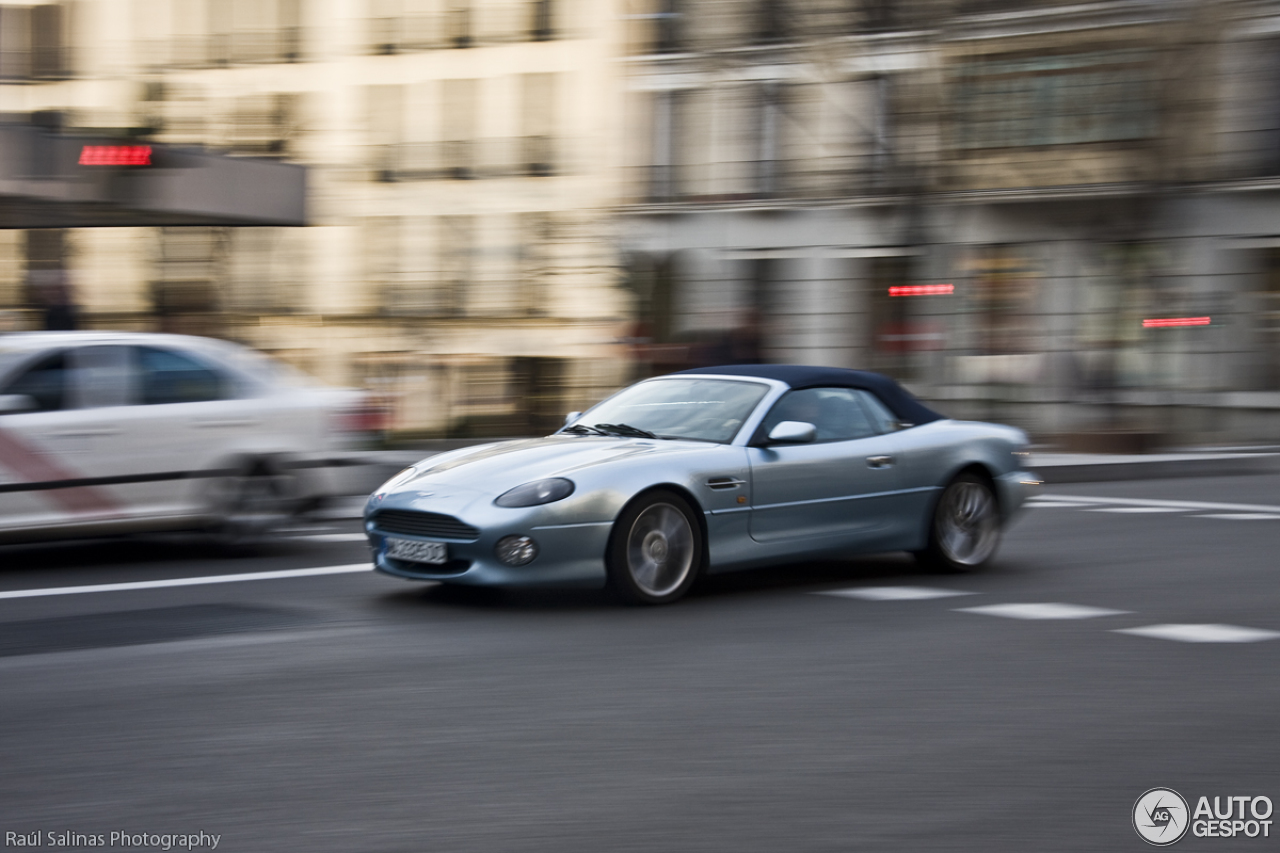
[(838, 489), (190, 408), (59, 459)]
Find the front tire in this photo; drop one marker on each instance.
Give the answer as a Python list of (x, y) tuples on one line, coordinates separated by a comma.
[(964, 531), (655, 551)]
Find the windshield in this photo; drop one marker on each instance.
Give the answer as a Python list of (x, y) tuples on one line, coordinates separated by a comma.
[(700, 409)]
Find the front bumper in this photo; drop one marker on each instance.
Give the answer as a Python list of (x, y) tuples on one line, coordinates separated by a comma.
[(569, 554)]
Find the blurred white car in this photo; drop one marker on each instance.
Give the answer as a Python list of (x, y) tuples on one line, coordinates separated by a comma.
[(106, 432)]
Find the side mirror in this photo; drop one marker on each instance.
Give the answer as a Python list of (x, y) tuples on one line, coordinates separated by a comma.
[(15, 403), (571, 417), (793, 432)]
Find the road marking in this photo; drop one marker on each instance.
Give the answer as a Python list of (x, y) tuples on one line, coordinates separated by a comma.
[(1137, 509), (1269, 508), (1202, 633), (894, 593), (208, 579), (1240, 516), (1041, 611), (1040, 504), (332, 537)]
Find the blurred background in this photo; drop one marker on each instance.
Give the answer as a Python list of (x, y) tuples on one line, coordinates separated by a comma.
[(490, 212)]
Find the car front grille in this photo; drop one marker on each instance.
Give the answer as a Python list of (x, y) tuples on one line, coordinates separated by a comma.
[(414, 523)]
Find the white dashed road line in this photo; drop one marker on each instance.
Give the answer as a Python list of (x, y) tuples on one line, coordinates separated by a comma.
[(1041, 611), (353, 568), (1187, 633), (1241, 516), (1136, 509), (895, 593), (1153, 502), (1202, 633), (332, 537), (1038, 504)]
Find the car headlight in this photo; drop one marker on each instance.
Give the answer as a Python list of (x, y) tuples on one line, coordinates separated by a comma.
[(536, 493), (399, 479)]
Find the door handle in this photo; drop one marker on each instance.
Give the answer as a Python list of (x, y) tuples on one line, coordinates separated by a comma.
[(879, 461)]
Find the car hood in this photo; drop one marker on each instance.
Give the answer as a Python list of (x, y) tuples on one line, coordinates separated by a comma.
[(498, 467)]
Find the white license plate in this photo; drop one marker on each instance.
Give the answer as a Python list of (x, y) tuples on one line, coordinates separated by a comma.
[(417, 552)]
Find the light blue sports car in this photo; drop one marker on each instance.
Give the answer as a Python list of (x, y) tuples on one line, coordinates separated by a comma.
[(707, 470)]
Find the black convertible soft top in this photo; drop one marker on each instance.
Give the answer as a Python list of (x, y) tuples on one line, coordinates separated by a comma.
[(906, 407)]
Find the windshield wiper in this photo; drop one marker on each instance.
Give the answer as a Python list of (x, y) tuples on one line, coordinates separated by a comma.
[(583, 429), (625, 429)]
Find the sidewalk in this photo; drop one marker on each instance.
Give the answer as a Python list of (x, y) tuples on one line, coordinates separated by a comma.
[(380, 465)]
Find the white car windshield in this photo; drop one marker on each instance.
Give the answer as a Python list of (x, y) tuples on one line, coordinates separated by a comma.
[(699, 409)]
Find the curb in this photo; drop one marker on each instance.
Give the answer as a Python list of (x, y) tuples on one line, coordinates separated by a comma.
[(1056, 468)]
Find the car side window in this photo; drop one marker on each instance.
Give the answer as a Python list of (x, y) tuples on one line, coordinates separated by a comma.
[(46, 382), (172, 377), (101, 375), (883, 418), (835, 412)]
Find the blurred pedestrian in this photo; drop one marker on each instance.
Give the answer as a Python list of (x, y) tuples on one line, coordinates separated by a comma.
[(52, 291)]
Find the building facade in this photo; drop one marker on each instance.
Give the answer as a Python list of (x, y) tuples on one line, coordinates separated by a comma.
[(1039, 178), (459, 252)]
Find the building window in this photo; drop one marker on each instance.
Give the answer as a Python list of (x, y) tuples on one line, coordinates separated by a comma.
[(32, 42), (768, 125), (457, 262), (384, 121), (247, 31), (877, 15), (668, 27), (773, 22), (1016, 102), (263, 124), (536, 259), (542, 26), (458, 24), (662, 171), (1003, 292), (538, 120), (1267, 314), (459, 123)]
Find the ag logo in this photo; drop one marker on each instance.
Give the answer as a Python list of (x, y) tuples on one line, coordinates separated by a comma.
[(1160, 816)]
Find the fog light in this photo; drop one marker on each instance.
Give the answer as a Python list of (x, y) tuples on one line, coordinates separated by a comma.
[(516, 550)]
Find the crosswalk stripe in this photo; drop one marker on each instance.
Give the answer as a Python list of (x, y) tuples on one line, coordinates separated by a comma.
[(1041, 611), (894, 593), (1201, 633)]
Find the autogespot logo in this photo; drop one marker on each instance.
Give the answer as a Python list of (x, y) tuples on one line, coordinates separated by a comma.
[(1160, 816)]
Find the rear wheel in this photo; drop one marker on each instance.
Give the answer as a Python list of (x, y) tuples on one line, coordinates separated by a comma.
[(250, 505), (965, 529), (655, 552)]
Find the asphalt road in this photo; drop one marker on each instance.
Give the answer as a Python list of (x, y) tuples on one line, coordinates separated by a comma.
[(355, 712)]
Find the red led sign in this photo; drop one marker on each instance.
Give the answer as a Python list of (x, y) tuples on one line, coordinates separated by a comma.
[(922, 290), (1175, 321), (115, 155)]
